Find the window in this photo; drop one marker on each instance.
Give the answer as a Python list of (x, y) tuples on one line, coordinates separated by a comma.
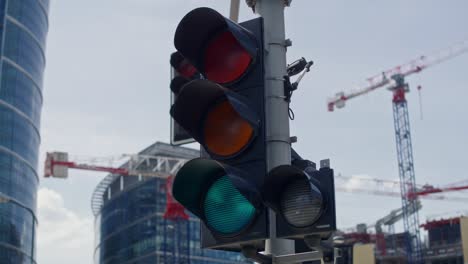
[(31, 15), (18, 135), (18, 180), (21, 92), (21, 48)]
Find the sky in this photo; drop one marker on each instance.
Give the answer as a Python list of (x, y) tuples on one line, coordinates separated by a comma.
[(106, 93)]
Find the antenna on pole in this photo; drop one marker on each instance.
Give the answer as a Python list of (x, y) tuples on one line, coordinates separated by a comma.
[(420, 102)]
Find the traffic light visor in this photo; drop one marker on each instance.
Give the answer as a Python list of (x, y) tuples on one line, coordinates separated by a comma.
[(182, 66), (217, 118), (219, 48), (177, 83)]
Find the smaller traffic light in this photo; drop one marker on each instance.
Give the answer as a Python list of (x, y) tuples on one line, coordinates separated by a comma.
[(181, 73), (303, 199)]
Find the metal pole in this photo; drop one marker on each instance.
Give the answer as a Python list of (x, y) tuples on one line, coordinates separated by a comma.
[(234, 11), (276, 107)]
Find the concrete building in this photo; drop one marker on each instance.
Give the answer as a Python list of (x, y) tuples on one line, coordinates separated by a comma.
[(132, 223), (444, 241), (23, 30)]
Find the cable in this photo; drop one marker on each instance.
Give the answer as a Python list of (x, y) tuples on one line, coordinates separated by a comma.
[(291, 113)]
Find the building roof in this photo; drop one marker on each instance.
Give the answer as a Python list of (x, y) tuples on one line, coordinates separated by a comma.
[(440, 222), (156, 149)]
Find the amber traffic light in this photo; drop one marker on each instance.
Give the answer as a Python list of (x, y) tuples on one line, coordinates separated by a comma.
[(219, 119), (225, 131)]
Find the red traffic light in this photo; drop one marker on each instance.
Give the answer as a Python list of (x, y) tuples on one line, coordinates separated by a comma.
[(222, 50), (225, 59), (184, 71), (182, 66)]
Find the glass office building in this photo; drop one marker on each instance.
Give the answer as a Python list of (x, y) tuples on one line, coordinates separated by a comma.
[(23, 31), (131, 226)]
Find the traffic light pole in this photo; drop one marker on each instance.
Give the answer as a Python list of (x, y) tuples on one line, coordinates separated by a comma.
[(276, 107)]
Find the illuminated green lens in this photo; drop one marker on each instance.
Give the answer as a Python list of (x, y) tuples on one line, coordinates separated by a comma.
[(226, 209)]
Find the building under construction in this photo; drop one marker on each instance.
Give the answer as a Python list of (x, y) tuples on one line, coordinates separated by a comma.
[(446, 243), (137, 220)]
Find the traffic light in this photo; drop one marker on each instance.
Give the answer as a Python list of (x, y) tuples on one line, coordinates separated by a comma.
[(224, 112), (303, 199), (223, 109), (181, 73)]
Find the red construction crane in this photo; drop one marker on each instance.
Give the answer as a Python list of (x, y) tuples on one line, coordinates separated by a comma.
[(394, 80), (385, 78), (391, 188), (57, 165)]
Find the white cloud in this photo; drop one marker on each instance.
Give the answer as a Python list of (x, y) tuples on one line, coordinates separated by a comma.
[(62, 234), (366, 182), (356, 182)]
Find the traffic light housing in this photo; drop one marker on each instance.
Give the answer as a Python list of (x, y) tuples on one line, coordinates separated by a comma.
[(182, 71), (224, 112), (222, 50), (303, 199)]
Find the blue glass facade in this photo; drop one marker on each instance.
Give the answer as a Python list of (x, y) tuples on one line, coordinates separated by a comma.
[(131, 229), (23, 30)]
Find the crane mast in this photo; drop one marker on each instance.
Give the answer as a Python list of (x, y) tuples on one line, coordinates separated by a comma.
[(396, 84), (406, 170)]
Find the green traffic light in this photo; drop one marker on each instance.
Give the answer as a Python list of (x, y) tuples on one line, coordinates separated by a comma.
[(227, 211)]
